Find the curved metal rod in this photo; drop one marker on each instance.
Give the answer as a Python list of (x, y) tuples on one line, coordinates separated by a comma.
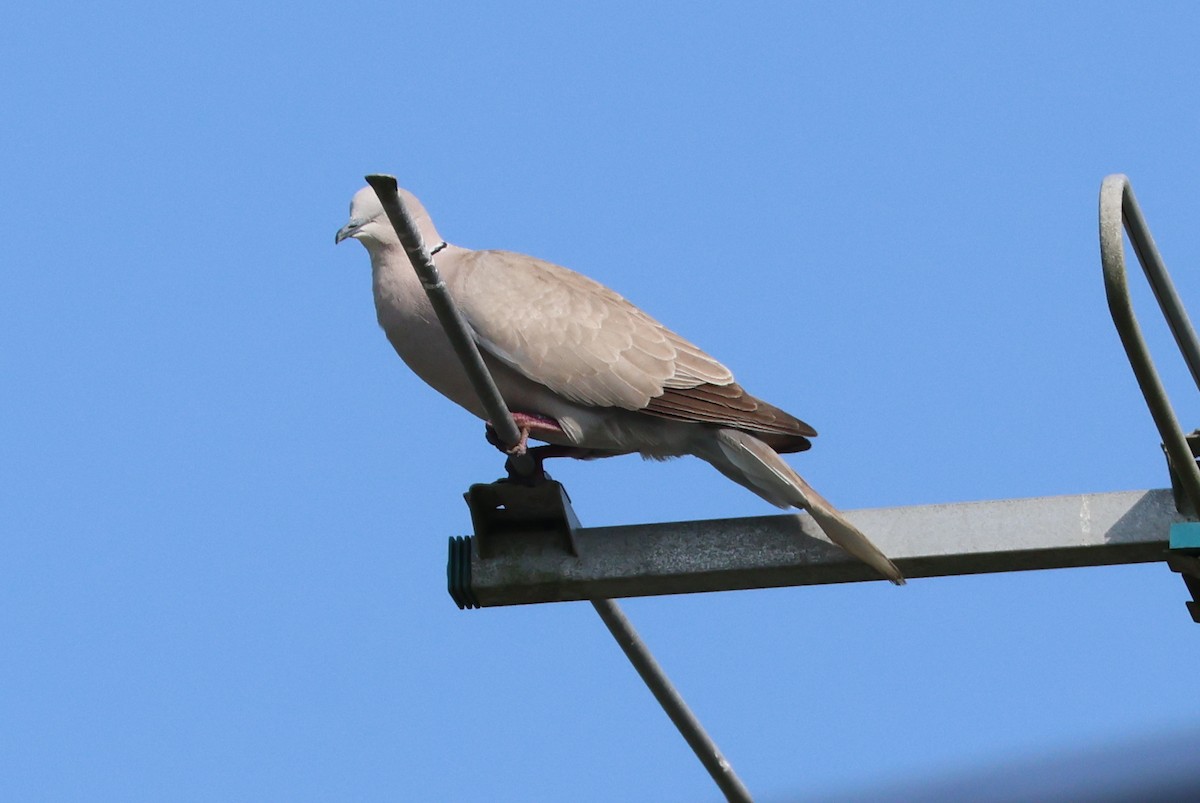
[(1117, 205)]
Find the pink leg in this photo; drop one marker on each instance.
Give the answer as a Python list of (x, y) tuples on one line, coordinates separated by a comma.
[(528, 424)]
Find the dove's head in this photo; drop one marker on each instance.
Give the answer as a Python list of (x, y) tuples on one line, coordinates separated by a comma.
[(369, 224)]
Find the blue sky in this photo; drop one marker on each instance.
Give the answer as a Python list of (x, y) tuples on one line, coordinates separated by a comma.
[(224, 502)]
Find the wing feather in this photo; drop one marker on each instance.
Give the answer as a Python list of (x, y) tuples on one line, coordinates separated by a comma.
[(590, 345), (572, 334)]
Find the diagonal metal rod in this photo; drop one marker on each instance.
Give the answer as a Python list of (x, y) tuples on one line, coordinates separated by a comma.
[(1117, 205), (447, 311), (502, 422), (704, 747)]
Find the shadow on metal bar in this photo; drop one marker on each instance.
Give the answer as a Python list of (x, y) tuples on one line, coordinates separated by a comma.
[(1119, 206), (501, 504)]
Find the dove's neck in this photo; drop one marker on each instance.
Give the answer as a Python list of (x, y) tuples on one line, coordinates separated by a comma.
[(399, 296), (412, 327), (395, 282), (384, 252)]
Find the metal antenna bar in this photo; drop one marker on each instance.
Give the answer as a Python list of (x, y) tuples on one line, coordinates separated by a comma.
[(447, 311), (1117, 205), (704, 747), (502, 421), (686, 557)]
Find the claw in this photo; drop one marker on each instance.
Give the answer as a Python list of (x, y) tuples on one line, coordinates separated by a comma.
[(527, 424), (522, 445)]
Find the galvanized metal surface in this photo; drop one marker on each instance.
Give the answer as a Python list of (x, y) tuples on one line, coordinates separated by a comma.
[(1117, 205), (787, 550)]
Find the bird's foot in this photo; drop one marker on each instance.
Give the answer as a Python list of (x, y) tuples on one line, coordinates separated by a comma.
[(528, 424), (525, 463), (518, 449), (521, 446)]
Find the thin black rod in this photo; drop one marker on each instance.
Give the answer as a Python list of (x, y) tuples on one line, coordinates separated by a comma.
[(660, 686), (447, 311), (1117, 206), (502, 421)]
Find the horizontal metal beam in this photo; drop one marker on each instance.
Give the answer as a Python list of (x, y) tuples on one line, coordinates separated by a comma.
[(788, 550)]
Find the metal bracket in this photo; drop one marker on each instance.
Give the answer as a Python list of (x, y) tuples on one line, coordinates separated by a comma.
[(1184, 558), (1118, 207), (1182, 502), (514, 518), (1187, 564)]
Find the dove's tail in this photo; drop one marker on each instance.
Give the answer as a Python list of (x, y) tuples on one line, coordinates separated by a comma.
[(749, 462)]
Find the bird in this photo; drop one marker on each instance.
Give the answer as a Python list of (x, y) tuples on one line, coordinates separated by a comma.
[(584, 369)]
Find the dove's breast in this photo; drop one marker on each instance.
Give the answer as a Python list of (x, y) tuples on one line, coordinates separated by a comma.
[(407, 318), (411, 326)]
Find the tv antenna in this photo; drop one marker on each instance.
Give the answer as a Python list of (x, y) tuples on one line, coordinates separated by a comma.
[(529, 547)]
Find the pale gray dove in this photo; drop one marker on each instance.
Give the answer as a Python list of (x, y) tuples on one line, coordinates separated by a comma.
[(583, 368)]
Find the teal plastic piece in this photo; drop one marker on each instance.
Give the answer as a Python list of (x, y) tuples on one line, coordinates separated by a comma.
[(1185, 535)]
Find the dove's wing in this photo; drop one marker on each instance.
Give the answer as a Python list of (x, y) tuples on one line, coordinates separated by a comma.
[(592, 346)]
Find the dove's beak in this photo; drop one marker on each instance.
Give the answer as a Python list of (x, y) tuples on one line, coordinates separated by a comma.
[(349, 230)]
